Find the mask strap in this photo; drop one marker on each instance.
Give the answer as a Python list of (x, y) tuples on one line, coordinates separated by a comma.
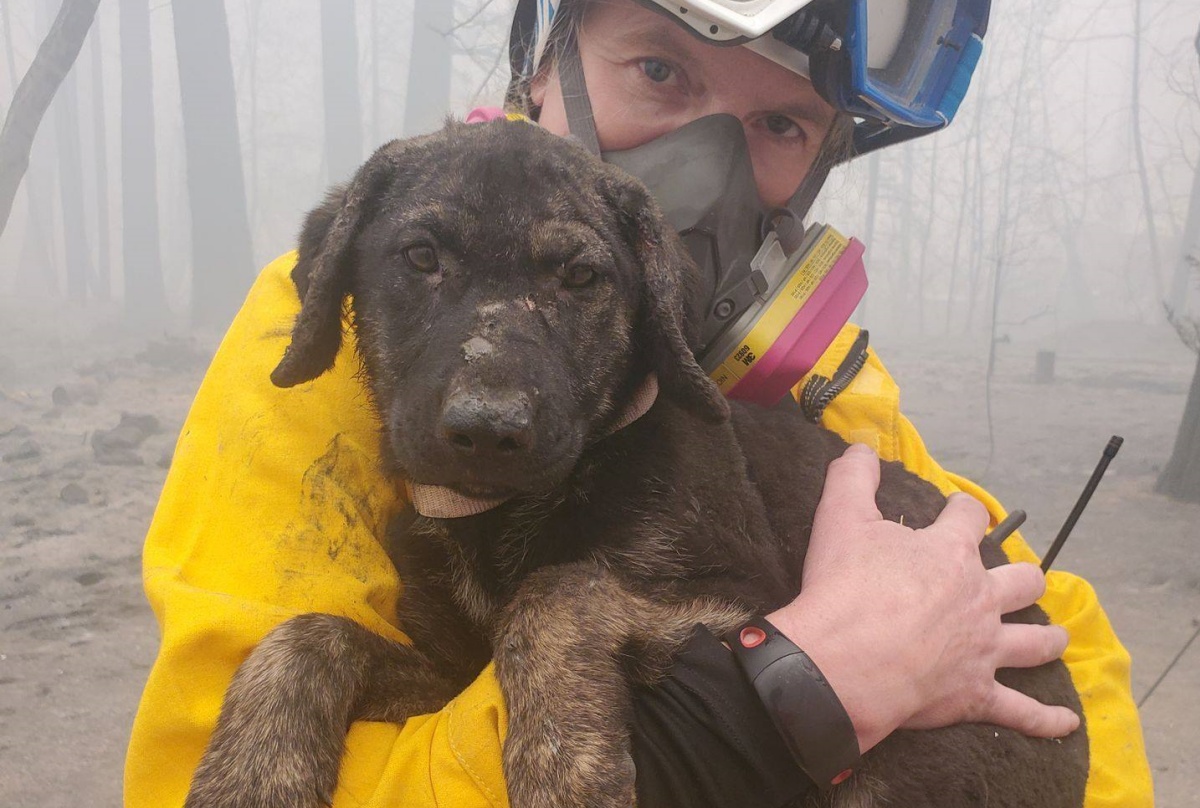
[(789, 225), (576, 102)]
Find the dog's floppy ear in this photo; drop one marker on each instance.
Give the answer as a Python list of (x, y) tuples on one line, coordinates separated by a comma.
[(667, 272), (321, 274), (317, 225)]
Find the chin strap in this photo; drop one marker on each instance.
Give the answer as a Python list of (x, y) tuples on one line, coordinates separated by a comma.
[(576, 102), (442, 502)]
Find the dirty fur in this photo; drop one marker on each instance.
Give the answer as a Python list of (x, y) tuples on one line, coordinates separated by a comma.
[(610, 547)]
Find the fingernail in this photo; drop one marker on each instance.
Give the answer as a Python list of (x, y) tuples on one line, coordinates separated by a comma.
[(860, 449)]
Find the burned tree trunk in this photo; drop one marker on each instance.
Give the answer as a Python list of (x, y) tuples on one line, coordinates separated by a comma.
[(1181, 477), (145, 297), (343, 113), (222, 258), (428, 98), (1189, 252), (1139, 152), (103, 276), (77, 253), (35, 267), (54, 58)]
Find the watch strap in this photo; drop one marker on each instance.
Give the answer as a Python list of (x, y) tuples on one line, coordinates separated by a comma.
[(800, 701)]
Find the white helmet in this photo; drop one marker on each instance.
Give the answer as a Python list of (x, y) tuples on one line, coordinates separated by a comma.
[(899, 66)]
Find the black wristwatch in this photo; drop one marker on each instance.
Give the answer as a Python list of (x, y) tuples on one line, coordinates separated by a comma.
[(801, 703)]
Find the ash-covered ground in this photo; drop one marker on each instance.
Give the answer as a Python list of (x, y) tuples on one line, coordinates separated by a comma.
[(89, 415)]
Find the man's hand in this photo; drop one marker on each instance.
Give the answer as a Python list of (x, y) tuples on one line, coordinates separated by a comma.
[(905, 624)]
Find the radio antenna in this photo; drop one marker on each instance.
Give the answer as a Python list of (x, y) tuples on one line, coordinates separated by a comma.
[(1110, 451)]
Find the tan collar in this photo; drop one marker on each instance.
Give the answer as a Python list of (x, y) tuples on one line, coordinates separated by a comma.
[(440, 502)]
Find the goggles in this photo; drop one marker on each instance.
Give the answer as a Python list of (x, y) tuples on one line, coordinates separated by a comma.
[(898, 65), (904, 66), (901, 67)]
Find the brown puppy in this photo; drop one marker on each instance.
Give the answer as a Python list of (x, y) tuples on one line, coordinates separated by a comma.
[(511, 297)]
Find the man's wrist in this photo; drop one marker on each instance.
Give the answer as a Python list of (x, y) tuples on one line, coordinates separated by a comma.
[(799, 700), (826, 646)]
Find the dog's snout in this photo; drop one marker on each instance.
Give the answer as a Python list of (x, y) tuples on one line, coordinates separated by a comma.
[(495, 424)]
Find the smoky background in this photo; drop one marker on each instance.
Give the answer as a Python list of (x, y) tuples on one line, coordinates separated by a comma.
[(1035, 288)]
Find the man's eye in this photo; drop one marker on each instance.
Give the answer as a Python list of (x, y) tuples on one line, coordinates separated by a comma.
[(782, 125), (657, 70)]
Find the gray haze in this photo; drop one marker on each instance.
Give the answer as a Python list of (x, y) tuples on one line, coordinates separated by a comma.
[(1038, 175), (1059, 215)]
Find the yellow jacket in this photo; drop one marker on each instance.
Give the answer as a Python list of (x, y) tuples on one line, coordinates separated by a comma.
[(271, 509)]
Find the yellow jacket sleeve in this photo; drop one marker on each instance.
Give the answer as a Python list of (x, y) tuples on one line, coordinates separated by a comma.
[(1119, 774), (272, 508)]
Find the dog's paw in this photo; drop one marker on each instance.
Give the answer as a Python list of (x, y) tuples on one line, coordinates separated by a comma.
[(279, 738), (554, 777), (238, 779)]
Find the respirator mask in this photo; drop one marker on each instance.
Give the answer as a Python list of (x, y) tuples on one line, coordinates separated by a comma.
[(771, 296)]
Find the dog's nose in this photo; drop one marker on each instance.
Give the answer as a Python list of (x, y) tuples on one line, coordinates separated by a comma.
[(488, 424)]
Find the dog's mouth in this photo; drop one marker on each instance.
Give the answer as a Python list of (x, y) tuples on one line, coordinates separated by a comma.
[(430, 462), (482, 492)]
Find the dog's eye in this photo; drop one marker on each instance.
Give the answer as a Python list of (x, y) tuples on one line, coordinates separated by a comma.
[(578, 276), (421, 257)]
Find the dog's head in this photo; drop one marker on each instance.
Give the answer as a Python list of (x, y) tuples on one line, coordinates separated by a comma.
[(509, 293)]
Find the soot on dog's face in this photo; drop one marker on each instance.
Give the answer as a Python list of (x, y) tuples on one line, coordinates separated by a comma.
[(508, 292), (495, 327)]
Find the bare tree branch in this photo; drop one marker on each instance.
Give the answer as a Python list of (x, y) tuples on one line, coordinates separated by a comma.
[(487, 79), (474, 15), (1140, 152)]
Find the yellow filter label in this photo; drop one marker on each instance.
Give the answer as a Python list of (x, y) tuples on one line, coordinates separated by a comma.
[(813, 269)]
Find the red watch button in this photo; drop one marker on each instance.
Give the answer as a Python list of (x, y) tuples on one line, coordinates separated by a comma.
[(751, 636)]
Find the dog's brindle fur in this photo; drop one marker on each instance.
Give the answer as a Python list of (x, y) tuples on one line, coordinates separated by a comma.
[(612, 547)]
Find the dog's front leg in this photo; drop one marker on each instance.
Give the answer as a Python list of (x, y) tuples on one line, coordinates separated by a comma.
[(569, 644), (279, 738)]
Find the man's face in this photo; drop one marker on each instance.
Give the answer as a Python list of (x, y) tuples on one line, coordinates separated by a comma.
[(647, 76)]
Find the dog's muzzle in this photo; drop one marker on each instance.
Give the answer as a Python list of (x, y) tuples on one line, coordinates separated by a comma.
[(491, 434), (442, 502), (488, 427)]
